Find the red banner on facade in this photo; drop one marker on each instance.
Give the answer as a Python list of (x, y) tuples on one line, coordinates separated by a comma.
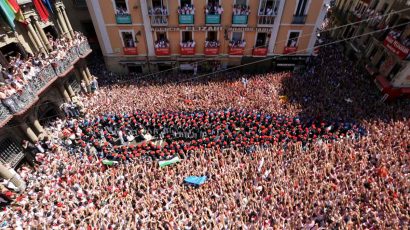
[(187, 51), (289, 50), (130, 51), (260, 51), (236, 51), (396, 47), (211, 51), (162, 51)]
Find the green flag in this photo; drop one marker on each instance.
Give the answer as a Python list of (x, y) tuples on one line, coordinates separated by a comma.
[(110, 163), (7, 12), (168, 162)]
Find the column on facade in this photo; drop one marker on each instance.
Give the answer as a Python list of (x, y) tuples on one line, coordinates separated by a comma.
[(29, 132), (87, 75), (42, 34), (79, 73), (63, 92), (35, 39), (37, 126), (67, 21), (69, 90), (8, 175), (62, 23), (90, 77)]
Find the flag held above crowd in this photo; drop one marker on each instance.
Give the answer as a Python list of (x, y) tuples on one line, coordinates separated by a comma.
[(109, 162), (168, 162), (195, 180)]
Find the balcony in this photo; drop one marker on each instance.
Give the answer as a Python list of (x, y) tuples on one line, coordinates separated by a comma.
[(65, 65), (186, 19), (236, 51), (213, 19), (299, 19), (159, 20), (187, 51), (266, 20), (211, 51), (260, 51), (162, 51), (130, 50), (239, 20), (123, 18), (396, 47), (19, 102), (290, 50)]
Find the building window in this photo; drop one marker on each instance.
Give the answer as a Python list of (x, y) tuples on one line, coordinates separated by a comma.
[(184, 3), (293, 39), (237, 40), (268, 7), (128, 39), (212, 36), (237, 36), (187, 39), (158, 7), (162, 40), (212, 39), (214, 7), (121, 7), (301, 7), (261, 40)]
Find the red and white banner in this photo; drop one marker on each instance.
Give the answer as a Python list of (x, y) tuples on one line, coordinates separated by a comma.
[(211, 51), (162, 51), (236, 51), (187, 51), (130, 51), (260, 51), (289, 50), (396, 47)]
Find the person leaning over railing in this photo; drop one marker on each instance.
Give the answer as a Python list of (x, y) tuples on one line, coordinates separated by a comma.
[(241, 10), (187, 9), (212, 44)]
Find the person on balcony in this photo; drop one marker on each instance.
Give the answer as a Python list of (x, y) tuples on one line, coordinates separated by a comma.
[(162, 43), (241, 10), (187, 9), (212, 44)]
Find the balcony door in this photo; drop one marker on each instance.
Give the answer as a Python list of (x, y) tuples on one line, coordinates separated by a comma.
[(261, 40), (293, 39), (128, 38)]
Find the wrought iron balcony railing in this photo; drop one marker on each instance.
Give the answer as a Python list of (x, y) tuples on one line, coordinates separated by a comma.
[(21, 100)]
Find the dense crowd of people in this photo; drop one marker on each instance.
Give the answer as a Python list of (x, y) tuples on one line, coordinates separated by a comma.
[(279, 150), (186, 9), (241, 10)]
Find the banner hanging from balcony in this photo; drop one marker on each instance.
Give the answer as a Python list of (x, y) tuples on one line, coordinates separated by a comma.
[(41, 10), (396, 47), (48, 5), (17, 11), (7, 12)]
